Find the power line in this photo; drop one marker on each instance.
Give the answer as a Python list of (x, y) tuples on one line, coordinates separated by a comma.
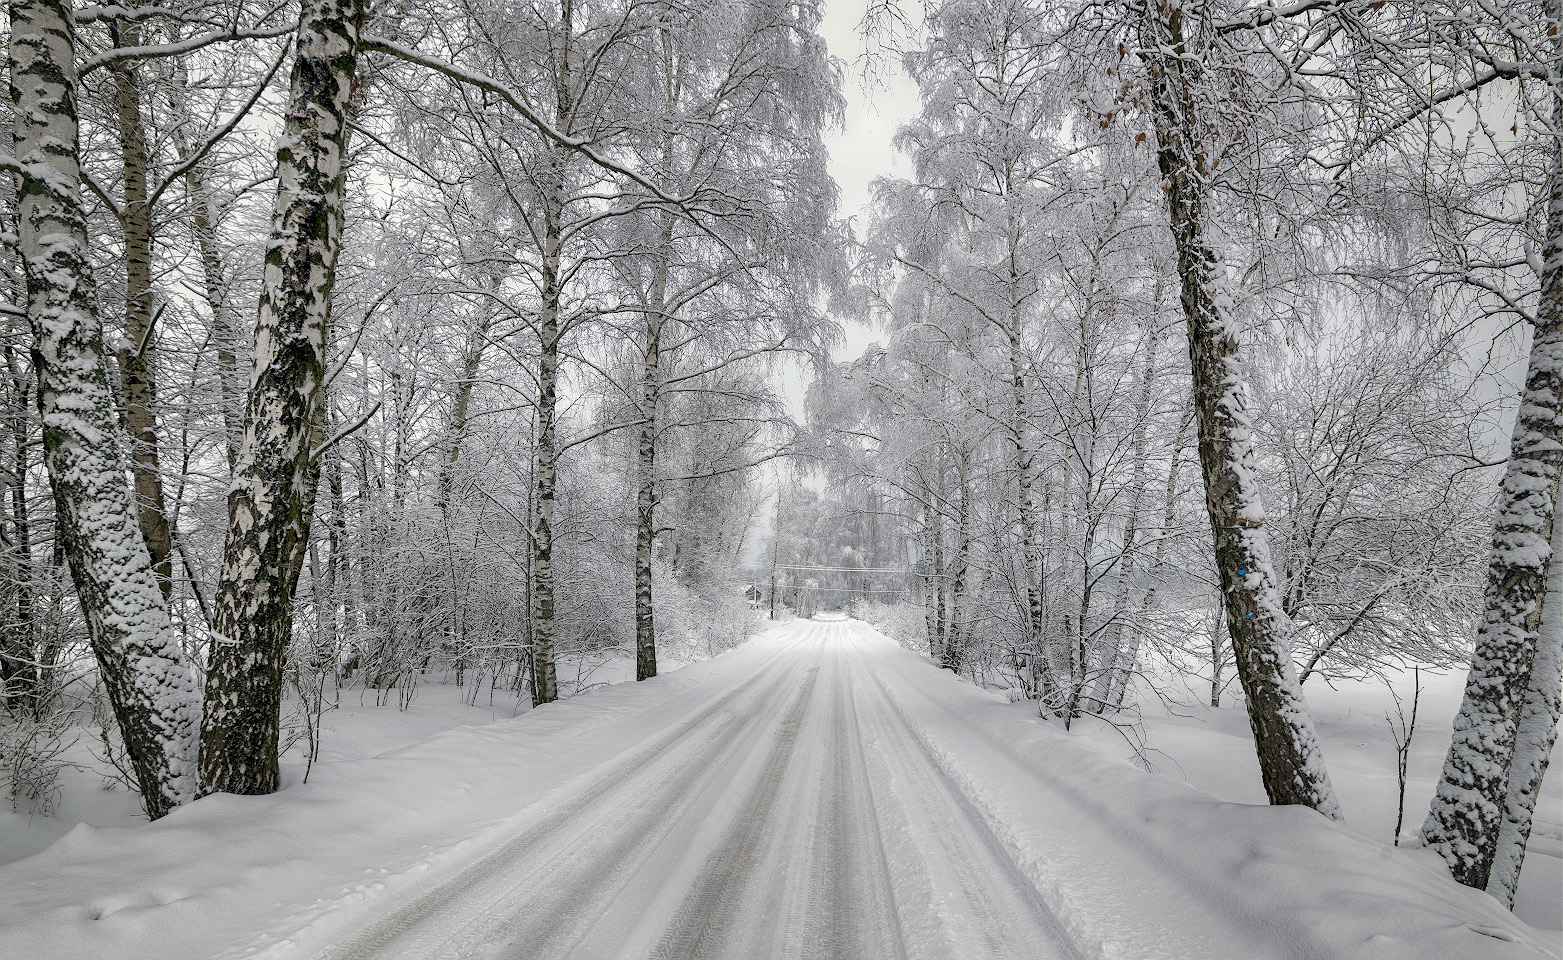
[(822, 569)]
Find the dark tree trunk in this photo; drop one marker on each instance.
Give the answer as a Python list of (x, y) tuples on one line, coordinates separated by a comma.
[(646, 496), (546, 684), (955, 635), (135, 368), (1290, 761), (19, 651), (271, 500)]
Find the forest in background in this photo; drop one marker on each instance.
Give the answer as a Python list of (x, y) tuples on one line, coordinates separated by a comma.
[(346, 344)]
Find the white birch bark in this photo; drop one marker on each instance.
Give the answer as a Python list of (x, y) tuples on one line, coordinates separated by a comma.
[(546, 684), (1533, 739), (1480, 779), (270, 501), (144, 669)]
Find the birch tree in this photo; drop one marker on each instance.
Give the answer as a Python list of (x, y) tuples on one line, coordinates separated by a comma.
[(1176, 40), (1481, 815), (271, 502), (144, 668)]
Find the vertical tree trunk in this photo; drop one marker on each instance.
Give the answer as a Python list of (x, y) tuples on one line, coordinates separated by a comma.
[(225, 324), (1025, 455), (269, 504), (1129, 656), (461, 403), (546, 683), (19, 649), (933, 529), (1218, 660), (954, 642), (341, 564), (1509, 713), (138, 653), (135, 369), (646, 471), (1112, 648), (1534, 736), (1290, 761), (646, 449), (776, 529)]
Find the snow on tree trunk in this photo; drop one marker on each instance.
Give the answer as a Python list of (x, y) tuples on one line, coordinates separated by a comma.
[(135, 370), (646, 470), (546, 685), (461, 403), (1290, 761), (143, 667), (270, 501), (1493, 769), (930, 580), (1533, 739)]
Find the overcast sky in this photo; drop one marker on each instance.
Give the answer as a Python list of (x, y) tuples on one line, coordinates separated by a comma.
[(861, 150)]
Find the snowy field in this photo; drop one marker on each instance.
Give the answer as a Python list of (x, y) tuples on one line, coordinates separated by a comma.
[(817, 792)]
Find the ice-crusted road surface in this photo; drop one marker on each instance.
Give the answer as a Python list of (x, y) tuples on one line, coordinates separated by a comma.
[(817, 793)]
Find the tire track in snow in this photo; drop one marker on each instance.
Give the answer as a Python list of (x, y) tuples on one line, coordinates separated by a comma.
[(851, 910), (700, 927), (998, 912), (726, 717), (752, 830), (1206, 923)]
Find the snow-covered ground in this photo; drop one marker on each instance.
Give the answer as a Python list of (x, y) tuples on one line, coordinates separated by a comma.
[(818, 792), (1212, 749)]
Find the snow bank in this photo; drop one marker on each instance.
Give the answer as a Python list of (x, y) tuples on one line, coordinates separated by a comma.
[(1118, 851), (1212, 749), (227, 875), (1135, 865)]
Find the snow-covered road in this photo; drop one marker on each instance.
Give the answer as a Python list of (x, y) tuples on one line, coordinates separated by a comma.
[(755, 828), (818, 793)]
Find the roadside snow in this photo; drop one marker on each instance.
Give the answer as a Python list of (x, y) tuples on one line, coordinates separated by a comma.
[(1212, 749), (224, 875), (800, 747)]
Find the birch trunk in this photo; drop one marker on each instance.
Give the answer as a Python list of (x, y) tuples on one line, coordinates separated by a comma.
[(225, 325), (135, 370), (1100, 697), (138, 653), (1510, 709), (934, 523), (19, 673), (1128, 658), (546, 684), (1290, 761), (776, 529), (1534, 736), (646, 471), (954, 645), (1025, 455), (461, 403), (269, 504)]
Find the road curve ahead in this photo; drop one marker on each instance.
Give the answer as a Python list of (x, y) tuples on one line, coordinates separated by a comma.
[(838, 798)]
